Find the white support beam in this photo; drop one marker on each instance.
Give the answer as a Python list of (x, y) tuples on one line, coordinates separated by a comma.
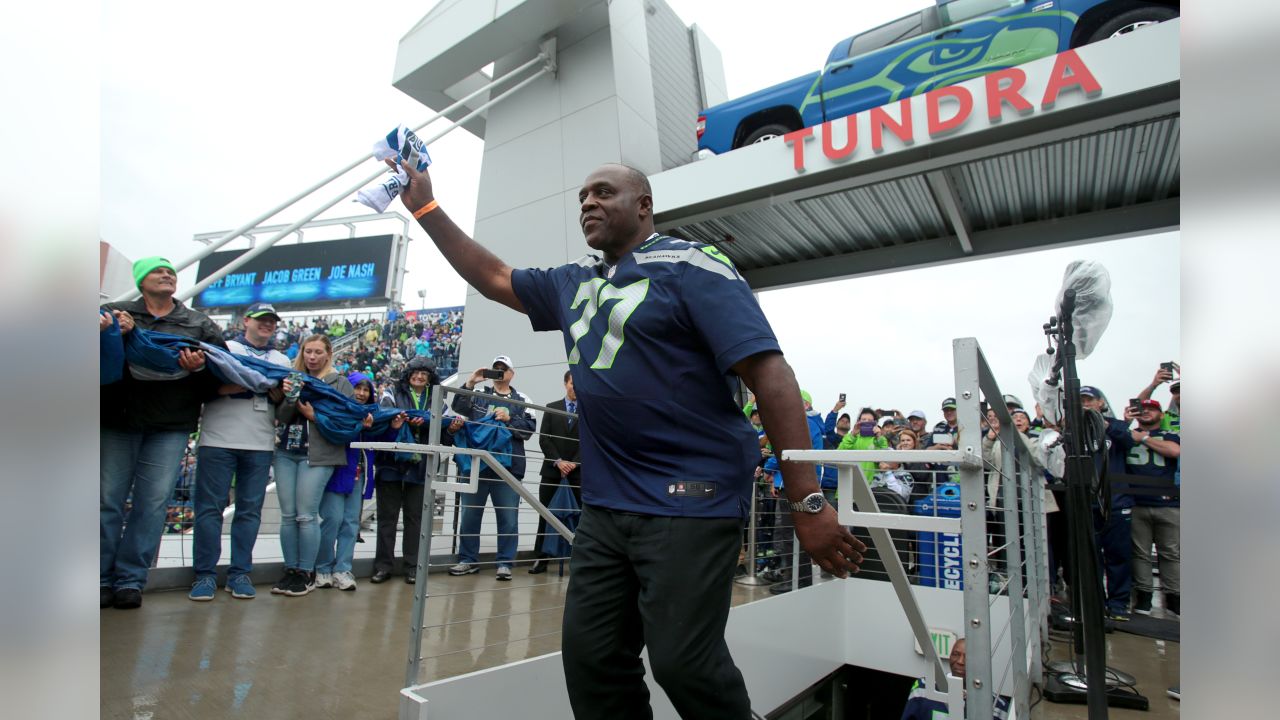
[(949, 201)]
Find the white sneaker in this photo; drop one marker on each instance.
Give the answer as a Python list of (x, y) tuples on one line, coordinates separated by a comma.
[(344, 581), (324, 580), (504, 573), (463, 569)]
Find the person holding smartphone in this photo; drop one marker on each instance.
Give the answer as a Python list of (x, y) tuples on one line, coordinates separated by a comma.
[(1166, 374), (506, 503), (865, 435)]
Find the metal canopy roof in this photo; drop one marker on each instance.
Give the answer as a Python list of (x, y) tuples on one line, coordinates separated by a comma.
[(1091, 166)]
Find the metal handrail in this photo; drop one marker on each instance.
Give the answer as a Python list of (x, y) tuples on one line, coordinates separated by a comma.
[(974, 379), (851, 477), (503, 474), (347, 192), (548, 62)]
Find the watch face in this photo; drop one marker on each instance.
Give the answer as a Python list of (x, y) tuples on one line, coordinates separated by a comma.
[(813, 503)]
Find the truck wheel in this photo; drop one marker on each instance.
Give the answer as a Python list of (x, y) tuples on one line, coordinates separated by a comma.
[(766, 132), (1127, 22)]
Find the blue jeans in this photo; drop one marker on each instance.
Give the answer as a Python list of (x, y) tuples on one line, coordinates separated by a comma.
[(339, 523), (299, 487), (215, 467), (142, 464), (505, 502)]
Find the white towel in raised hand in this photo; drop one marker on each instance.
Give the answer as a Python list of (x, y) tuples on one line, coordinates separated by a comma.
[(401, 143), (379, 197)]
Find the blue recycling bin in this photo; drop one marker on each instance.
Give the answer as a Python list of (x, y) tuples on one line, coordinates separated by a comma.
[(940, 559)]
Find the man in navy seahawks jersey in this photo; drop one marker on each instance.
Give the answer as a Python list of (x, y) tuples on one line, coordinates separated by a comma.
[(1112, 529), (655, 330), (1156, 517)]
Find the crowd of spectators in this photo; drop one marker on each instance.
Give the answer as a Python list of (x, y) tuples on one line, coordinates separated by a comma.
[(383, 348), (1142, 448), (1136, 533), (381, 353)]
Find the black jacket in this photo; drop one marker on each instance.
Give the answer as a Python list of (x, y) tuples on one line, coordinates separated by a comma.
[(132, 404), (401, 397), (559, 441)]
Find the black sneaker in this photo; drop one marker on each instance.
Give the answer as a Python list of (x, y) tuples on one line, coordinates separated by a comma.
[(127, 599), (780, 588), (106, 596), (303, 582), (1142, 603), (1175, 692), (1118, 615), (1173, 604), (282, 585)]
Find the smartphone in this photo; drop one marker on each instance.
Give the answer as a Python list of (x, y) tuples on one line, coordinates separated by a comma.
[(1168, 366), (942, 439), (493, 374), (866, 429), (1135, 404), (841, 397)]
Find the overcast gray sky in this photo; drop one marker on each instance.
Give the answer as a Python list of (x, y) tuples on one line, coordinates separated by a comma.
[(210, 117)]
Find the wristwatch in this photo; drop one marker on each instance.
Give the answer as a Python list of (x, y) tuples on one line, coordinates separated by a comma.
[(812, 504)]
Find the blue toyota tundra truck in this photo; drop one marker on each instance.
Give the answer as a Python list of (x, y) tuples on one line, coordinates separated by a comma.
[(943, 44)]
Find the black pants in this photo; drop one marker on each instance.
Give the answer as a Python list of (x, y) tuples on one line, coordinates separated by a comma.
[(1059, 541), (660, 582), (393, 495), (546, 490)]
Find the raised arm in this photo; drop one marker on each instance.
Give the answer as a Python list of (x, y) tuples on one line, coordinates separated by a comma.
[(482, 269), (1162, 376)]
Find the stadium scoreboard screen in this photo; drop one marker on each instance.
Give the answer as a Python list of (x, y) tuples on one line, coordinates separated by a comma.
[(303, 275)]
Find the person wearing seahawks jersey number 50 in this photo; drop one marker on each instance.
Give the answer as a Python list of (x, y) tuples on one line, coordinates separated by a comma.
[(655, 330), (1156, 516)]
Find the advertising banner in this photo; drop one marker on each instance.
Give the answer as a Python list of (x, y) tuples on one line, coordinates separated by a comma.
[(303, 275)]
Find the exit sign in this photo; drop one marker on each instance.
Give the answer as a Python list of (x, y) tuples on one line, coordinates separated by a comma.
[(943, 640)]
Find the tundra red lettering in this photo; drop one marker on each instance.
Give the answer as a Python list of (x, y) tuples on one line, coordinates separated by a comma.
[(1060, 80), (881, 120), (850, 142), (797, 140), (1002, 88), (933, 109), (1010, 93)]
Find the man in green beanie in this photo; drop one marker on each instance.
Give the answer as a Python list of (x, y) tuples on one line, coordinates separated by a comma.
[(145, 422)]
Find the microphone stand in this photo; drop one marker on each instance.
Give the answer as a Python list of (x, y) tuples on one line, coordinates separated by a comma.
[(1081, 478)]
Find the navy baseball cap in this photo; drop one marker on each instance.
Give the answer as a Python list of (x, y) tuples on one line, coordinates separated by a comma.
[(261, 310), (1090, 391)]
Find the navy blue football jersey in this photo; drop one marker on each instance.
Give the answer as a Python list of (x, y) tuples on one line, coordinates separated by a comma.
[(650, 343), (1144, 461)]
